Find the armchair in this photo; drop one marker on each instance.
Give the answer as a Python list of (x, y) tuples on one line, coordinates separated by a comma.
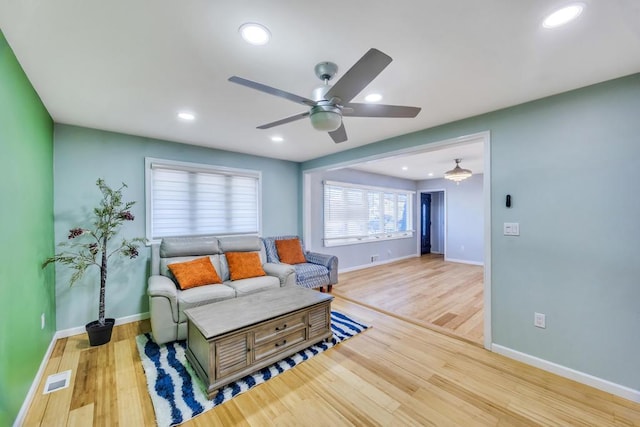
[(318, 271)]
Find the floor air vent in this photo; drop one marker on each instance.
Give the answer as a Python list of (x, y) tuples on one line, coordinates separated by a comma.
[(57, 382)]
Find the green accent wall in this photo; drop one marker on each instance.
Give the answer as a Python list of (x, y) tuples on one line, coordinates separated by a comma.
[(26, 232), (83, 155), (570, 163)]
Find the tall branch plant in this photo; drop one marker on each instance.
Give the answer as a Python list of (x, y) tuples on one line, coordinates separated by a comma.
[(93, 246)]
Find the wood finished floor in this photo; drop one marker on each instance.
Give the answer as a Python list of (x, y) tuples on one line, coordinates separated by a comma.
[(396, 373), (445, 296)]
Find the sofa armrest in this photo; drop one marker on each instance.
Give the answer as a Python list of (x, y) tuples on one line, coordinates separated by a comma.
[(163, 287), (285, 272), (329, 261)]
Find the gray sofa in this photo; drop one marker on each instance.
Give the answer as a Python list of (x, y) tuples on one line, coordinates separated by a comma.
[(167, 301)]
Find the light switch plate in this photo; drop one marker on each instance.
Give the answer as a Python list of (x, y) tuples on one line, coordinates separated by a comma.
[(539, 320)]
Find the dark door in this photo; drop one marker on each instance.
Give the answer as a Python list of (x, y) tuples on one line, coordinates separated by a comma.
[(425, 223)]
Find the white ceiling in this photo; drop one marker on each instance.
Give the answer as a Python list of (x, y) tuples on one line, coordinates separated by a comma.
[(130, 66), (430, 164)]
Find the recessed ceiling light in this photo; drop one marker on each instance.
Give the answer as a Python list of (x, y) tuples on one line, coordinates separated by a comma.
[(373, 97), (430, 173), (253, 33), (277, 138), (405, 168), (563, 16), (186, 116)]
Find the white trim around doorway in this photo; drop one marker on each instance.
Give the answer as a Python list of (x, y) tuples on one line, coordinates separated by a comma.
[(485, 136)]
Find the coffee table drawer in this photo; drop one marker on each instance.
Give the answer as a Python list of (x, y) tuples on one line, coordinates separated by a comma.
[(283, 326), (282, 344)]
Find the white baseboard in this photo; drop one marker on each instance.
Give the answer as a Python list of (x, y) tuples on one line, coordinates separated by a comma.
[(373, 264), (34, 385), (56, 336), (581, 377), (464, 261), (119, 321)]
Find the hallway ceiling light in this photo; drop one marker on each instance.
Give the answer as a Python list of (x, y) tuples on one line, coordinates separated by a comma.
[(457, 174)]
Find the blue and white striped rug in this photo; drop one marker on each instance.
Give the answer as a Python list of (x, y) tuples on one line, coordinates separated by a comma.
[(178, 394)]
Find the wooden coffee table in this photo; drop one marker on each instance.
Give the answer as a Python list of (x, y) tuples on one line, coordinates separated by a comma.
[(229, 339)]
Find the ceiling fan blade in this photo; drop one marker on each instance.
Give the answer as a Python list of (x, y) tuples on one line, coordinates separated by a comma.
[(379, 110), (339, 135), (272, 91), (283, 121), (359, 76)]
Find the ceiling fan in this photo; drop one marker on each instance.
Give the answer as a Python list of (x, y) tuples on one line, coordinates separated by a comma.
[(331, 103)]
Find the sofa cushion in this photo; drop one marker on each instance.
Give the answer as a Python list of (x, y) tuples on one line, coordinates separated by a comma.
[(197, 272), (202, 295), (290, 251), (311, 275), (254, 284), (243, 265)]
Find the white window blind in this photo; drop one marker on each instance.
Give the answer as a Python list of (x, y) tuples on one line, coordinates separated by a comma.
[(185, 199), (357, 214)]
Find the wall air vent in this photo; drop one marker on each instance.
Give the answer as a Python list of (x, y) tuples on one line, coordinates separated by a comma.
[(57, 382)]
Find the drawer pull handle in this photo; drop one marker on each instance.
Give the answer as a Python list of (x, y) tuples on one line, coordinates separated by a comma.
[(278, 344), (281, 328)]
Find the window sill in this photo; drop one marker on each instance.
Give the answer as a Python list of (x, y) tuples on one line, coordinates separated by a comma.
[(370, 239)]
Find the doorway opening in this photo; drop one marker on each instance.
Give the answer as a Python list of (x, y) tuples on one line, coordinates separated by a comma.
[(351, 269), (432, 222)]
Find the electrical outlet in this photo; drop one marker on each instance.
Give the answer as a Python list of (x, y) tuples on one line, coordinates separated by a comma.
[(42, 321), (511, 229), (374, 258), (539, 320)]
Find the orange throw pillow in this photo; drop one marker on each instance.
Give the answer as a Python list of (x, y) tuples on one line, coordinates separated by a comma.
[(197, 272), (290, 251), (243, 265)]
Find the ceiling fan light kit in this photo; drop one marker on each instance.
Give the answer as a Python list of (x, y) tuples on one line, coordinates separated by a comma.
[(331, 103), (326, 118), (457, 174)]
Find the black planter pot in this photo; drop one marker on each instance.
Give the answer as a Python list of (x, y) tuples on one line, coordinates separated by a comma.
[(98, 334)]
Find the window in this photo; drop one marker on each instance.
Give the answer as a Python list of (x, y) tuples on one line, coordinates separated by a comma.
[(359, 214), (188, 199)]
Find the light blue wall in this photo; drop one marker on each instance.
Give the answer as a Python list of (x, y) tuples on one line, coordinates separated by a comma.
[(577, 257), (464, 217), (82, 155), (351, 256)]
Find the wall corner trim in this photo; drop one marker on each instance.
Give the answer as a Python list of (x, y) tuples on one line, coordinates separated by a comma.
[(581, 377), (19, 421)]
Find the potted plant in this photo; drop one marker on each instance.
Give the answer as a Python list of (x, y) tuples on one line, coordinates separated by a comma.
[(94, 247)]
